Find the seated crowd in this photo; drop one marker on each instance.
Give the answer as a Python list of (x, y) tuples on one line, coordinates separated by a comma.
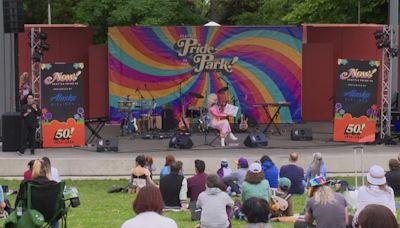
[(262, 191)]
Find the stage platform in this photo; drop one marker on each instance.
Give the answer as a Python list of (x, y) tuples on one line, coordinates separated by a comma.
[(86, 162)]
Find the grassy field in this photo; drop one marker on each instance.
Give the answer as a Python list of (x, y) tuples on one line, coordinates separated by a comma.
[(101, 209)]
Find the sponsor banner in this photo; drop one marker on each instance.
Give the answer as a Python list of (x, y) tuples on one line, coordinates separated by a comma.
[(62, 99), (169, 65), (356, 107)]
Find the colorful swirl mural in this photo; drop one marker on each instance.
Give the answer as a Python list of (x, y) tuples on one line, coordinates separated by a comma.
[(162, 65)]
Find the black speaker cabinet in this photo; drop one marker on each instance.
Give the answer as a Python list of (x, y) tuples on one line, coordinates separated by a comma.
[(12, 131), (107, 145), (168, 120), (13, 16), (181, 141), (301, 134), (256, 140)]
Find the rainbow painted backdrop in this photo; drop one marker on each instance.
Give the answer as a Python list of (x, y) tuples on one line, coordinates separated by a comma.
[(266, 66)]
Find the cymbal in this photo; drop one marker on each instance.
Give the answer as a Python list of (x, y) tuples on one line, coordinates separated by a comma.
[(196, 95), (223, 89)]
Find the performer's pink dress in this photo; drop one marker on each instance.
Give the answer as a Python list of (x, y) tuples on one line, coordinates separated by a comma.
[(216, 122)]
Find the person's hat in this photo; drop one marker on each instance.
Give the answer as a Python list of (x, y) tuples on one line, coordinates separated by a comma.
[(317, 181), (224, 162), (285, 183), (242, 162), (376, 175), (255, 168)]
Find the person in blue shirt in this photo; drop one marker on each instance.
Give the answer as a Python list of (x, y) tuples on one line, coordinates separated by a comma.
[(316, 168), (271, 172), (294, 173), (2, 203)]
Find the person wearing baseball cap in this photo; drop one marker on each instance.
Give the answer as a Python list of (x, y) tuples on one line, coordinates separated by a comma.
[(224, 170), (376, 192), (254, 184), (236, 179), (326, 207), (282, 199)]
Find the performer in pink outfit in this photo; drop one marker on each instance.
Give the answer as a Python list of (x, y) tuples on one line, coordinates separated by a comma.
[(216, 119)]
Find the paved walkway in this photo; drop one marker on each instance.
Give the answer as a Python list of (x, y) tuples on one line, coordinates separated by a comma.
[(85, 161)]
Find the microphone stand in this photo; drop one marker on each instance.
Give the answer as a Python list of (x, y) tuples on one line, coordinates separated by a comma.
[(141, 108), (233, 99), (151, 113)]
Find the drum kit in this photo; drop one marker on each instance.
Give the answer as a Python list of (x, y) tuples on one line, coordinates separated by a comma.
[(193, 118)]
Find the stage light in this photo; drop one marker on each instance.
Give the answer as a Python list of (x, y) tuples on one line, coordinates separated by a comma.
[(42, 35), (37, 57), (44, 46), (383, 44), (378, 35), (393, 52)]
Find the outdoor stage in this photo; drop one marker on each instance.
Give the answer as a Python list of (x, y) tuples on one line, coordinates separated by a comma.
[(86, 162)]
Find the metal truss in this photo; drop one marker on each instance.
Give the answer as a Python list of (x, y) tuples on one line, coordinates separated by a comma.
[(35, 65), (386, 97)]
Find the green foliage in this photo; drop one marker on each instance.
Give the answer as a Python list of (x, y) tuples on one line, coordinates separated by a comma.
[(105, 13), (338, 11)]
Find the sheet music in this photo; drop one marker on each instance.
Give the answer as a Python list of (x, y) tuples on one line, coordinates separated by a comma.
[(231, 110)]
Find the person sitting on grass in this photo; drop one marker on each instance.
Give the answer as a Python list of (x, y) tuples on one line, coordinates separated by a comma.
[(55, 175), (148, 207), (169, 159), (224, 170), (255, 185), (376, 192), (270, 171), (257, 212), (236, 179), (140, 176), (326, 207), (40, 176), (393, 176), (173, 188), (196, 185), (295, 174), (213, 203), (282, 202), (316, 168), (149, 164), (376, 216), (2, 202), (28, 172)]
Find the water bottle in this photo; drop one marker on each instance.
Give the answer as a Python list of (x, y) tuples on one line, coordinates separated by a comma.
[(19, 210)]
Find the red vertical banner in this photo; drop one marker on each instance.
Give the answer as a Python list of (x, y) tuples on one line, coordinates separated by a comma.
[(62, 96), (356, 107)]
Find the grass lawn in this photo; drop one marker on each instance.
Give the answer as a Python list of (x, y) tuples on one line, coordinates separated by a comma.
[(101, 209)]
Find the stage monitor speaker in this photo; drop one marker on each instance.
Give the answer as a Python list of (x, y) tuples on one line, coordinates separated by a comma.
[(181, 141), (12, 131), (256, 140), (13, 16), (107, 145), (301, 134)]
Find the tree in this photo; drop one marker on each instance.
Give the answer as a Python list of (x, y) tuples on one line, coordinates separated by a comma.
[(338, 11), (105, 13)]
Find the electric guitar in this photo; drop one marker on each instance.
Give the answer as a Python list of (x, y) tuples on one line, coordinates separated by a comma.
[(243, 123), (184, 122)]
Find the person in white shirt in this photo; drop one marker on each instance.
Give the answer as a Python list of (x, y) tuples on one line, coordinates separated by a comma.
[(376, 192), (148, 207), (55, 175)]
